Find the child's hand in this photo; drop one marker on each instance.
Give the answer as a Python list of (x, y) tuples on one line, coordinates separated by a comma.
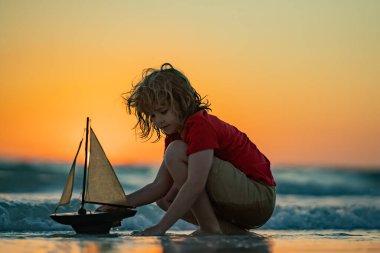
[(152, 231), (108, 209)]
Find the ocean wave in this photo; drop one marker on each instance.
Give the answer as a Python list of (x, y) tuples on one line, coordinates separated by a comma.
[(21, 178), (327, 182), (318, 218), (34, 216), (41, 178)]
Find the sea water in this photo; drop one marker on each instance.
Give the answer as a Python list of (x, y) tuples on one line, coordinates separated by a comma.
[(312, 204)]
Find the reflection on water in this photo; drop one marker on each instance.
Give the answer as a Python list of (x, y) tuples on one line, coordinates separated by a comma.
[(69, 243), (74, 246), (252, 243), (275, 242)]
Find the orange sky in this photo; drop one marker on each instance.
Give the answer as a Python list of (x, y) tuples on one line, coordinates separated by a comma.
[(301, 78)]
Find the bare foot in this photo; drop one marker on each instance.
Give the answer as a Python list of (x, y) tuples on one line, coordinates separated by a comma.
[(200, 232), (232, 229)]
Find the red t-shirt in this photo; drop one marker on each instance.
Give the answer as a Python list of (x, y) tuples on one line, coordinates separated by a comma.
[(204, 131)]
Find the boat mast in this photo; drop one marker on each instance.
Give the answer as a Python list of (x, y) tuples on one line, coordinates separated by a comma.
[(81, 209)]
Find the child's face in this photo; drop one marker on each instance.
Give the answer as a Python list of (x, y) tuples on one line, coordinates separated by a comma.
[(165, 119)]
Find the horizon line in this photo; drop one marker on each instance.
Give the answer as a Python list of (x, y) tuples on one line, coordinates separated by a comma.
[(154, 163)]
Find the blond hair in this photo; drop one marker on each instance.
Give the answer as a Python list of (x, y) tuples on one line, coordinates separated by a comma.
[(166, 86)]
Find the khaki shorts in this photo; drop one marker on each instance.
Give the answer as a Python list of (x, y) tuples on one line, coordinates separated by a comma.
[(238, 199)]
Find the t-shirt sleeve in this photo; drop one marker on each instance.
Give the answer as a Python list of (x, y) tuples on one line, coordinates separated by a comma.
[(200, 135)]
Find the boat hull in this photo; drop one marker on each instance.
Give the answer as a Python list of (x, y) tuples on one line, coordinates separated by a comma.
[(93, 222)]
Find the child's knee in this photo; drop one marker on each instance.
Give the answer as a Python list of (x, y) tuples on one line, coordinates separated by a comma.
[(163, 204), (175, 152)]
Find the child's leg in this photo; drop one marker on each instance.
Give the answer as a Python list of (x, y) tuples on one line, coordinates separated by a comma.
[(238, 199), (176, 162), (166, 201), (227, 228)]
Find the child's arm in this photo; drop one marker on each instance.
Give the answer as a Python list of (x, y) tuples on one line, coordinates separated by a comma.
[(153, 191), (149, 193), (199, 165)]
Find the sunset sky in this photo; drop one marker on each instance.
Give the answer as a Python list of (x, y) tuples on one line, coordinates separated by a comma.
[(301, 78)]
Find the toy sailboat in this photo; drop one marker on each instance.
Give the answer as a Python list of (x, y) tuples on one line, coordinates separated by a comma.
[(100, 186)]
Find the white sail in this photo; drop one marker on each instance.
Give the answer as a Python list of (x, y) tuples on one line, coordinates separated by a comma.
[(68, 190), (103, 187)]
